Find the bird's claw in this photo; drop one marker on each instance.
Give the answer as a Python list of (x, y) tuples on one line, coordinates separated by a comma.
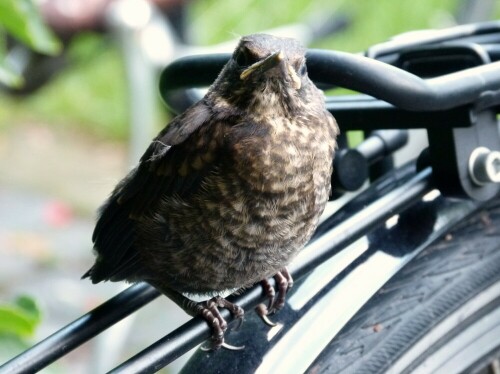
[(263, 313), (209, 311), (269, 292), (208, 348), (284, 282)]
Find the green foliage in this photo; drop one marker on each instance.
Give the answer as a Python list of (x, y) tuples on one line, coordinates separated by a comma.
[(18, 323), (21, 19), (19, 318)]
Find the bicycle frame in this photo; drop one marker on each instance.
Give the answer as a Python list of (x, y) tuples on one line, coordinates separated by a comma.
[(367, 240)]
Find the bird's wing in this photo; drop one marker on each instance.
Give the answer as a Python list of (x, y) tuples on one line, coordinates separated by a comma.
[(171, 165)]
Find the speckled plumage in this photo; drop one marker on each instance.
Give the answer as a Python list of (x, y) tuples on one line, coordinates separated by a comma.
[(231, 190)]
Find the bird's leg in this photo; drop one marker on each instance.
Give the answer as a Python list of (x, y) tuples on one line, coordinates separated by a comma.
[(208, 310), (284, 282)]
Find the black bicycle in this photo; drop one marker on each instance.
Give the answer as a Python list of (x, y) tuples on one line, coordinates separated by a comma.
[(404, 276)]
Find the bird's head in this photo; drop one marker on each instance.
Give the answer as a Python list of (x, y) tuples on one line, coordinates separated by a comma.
[(264, 73)]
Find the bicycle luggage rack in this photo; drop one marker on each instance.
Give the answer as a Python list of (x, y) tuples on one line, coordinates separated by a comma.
[(458, 110)]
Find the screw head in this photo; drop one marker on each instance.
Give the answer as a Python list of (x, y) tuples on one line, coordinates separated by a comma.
[(484, 166)]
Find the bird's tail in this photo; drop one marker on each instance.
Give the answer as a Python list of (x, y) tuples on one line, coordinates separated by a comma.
[(88, 274)]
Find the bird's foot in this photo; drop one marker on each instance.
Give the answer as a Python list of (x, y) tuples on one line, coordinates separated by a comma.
[(276, 302), (209, 311)]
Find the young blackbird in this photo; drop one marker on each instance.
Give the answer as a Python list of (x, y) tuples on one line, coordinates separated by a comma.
[(229, 192)]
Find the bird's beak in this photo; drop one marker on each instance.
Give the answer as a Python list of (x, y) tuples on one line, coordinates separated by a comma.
[(263, 65)]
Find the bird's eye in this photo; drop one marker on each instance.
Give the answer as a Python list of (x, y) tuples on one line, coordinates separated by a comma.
[(303, 69), (245, 58)]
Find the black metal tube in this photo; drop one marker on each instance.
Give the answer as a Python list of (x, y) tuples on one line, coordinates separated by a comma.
[(382, 143), (359, 112), (359, 73), (81, 330), (398, 87), (372, 148), (194, 332)]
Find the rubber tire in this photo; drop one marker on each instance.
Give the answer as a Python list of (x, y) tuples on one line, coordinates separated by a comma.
[(436, 286)]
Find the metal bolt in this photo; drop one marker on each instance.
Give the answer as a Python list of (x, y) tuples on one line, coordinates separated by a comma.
[(484, 166)]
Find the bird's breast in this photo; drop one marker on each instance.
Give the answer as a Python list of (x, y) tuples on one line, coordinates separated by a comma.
[(253, 213), (283, 176), (286, 158)]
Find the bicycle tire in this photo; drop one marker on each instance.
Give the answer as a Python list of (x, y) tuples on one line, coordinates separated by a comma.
[(440, 313)]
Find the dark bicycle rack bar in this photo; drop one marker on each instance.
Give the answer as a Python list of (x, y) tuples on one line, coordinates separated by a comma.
[(457, 109), (81, 330), (385, 82)]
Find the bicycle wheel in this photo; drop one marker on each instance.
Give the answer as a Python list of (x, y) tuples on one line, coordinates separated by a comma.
[(440, 314)]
